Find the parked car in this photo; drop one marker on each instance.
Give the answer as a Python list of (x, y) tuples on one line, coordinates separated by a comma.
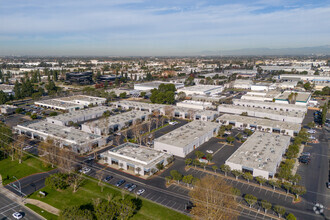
[(85, 170), (120, 182), (209, 151), (117, 134), (132, 188), (27, 147), (173, 122), (140, 192), (306, 154), (227, 132), (304, 159), (108, 178), (128, 185), (311, 131), (17, 215), (312, 137)]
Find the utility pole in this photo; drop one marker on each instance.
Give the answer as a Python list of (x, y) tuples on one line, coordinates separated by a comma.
[(19, 184)]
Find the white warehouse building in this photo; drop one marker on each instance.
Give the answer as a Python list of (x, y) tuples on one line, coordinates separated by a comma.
[(187, 138), (207, 90), (287, 116), (260, 154), (138, 159)]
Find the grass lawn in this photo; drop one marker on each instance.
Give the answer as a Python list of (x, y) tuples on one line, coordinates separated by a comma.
[(90, 190), (29, 165), (43, 213)]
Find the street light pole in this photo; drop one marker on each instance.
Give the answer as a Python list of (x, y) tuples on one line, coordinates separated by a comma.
[(19, 184)]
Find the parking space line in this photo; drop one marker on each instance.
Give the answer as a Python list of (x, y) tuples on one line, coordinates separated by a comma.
[(173, 204), (153, 197), (158, 198), (162, 201), (168, 202)]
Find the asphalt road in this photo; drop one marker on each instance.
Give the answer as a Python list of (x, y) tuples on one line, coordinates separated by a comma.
[(8, 207)]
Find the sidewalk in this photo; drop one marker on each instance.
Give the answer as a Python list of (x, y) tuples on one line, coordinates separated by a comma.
[(43, 205), (296, 164)]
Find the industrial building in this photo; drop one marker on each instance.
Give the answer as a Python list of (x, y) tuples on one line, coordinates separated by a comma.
[(81, 78), (7, 109), (266, 96), (306, 78), (287, 116), (270, 105), (8, 89), (78, 116), (260, 124), (138, 159), (69, 137), (298, 98), (195, 104), (113, 123), (154, 85), (242, 84), (260, 154), (187, 138), (71, 103), (142, 106), (190, 113), (206, 90)]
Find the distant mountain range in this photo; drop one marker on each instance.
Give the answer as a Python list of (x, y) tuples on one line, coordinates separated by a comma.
[(320, 50)]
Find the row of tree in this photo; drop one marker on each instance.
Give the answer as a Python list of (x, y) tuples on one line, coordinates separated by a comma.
[(165, 94)]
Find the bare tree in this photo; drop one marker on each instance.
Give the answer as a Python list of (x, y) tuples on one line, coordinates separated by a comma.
[(49, 151), (169, 110), (213, 199), (76, 181), (100, 176)]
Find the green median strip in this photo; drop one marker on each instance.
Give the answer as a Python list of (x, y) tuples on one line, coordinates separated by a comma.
[(43, 213)]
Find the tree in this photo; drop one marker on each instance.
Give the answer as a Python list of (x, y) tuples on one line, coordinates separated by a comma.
[(168, 179), (143, 94), (225, 168), (188, 161), (6, 140), (298, 190), (203, 165), (76, 180), (213, 199), (34, 116), (261, 180), (49, 151), (236, 173), (75, 213), (123, 95), (250, 199), (230, 139), (295, 178), (57, 181), (196, 162), (274, 184), (209, 157), (287, 186), (159, 166), (265, 205), (248, 176), (214, 168), (280, 210), (188, 179), (290, 216), (199, 154), (324, 113), (176, 175)]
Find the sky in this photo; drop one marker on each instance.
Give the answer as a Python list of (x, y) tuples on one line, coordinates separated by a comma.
[(159, 27)]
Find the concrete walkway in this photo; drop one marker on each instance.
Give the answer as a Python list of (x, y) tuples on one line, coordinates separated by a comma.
[(43, 205)]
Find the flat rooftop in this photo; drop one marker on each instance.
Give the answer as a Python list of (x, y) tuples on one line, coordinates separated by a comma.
[(261, 121), (81, 98), (117, 119), (68, 134), (273, 104), (155, 84), (58, 103), (243, 81), (6, 87), (261, 151), (195, 111), (201, 88), (186, 134), (137, 154), (81, 113), (291, 113), (269, 94), (139, 104), (301, 97)]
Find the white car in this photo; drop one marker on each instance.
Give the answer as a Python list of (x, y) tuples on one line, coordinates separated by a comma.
[(209, 151), (17, 215), (311, 131), (227, 132), (312, 137), (85, 170), (140, 191), (173, 122), (27, 147)]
